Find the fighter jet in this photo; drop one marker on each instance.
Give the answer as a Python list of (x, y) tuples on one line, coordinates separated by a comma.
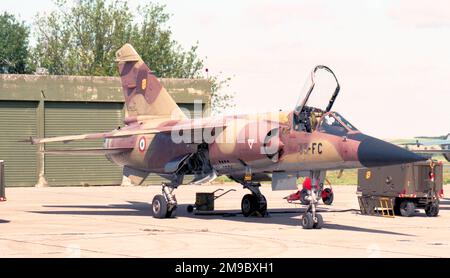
[(428, 145), (158, 138)]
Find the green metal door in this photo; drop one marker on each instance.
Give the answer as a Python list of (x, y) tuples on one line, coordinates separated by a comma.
[(69, 118), (192, 114), (18, 122)]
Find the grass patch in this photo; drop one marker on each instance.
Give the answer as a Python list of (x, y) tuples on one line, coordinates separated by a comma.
[(349, 177)]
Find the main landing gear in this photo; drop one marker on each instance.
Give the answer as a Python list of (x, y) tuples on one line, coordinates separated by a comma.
[(254, 204), (165, 204)]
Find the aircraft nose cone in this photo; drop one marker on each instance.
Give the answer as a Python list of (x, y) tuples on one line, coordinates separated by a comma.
[(373, 152)]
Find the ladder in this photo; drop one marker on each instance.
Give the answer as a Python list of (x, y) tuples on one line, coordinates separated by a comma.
[(375, 205)]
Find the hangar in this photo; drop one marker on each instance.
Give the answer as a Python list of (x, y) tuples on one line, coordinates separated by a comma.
[(47, 106)]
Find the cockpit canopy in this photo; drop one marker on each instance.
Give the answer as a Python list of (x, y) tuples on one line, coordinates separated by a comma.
[(307, 117)]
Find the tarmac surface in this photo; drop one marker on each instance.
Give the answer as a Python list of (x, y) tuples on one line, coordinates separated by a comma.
[(117, 222)]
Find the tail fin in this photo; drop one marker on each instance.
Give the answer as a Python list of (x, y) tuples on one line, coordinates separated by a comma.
[(144, 94)]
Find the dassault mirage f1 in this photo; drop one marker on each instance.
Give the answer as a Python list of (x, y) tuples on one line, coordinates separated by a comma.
[(158, 138)]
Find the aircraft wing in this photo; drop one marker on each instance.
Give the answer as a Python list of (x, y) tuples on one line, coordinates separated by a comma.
[(419, 142), (435, 142), (125, 133), (432, 151), (86, 151), (404, 142)]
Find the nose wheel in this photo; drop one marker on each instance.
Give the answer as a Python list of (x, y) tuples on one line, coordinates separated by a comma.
[(311, 222)]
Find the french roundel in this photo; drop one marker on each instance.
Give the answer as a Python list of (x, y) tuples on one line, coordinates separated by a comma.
[(142, 144)]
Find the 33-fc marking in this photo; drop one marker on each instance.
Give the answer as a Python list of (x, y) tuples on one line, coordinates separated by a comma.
[(313, 148)]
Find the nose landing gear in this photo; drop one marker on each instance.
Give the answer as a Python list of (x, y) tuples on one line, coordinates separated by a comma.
[(311, 219)]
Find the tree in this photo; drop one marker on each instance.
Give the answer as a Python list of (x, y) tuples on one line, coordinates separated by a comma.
[(220, 97), (81, 38), (13, 45)]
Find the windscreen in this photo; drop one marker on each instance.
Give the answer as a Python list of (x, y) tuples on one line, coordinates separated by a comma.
[(347, 123), (331, 125)]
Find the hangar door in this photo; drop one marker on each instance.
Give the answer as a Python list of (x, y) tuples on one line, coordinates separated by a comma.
[(18, 122), (69, 118)]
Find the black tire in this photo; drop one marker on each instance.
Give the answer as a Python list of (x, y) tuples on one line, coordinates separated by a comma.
[(319, 223), (397, 209), (407, 208), (159, 206), (307, 221), (303, 195), (190, 208), (262, 206), (249, 205), (171, 213), (432, 210), (328, 199)]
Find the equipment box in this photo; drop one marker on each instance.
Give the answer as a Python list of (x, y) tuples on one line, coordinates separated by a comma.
[(401, 188)]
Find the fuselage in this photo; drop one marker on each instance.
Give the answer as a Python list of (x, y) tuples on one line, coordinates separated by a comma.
[(264, 143)]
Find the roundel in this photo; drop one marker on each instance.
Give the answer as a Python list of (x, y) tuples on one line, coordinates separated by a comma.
[(142, 144)]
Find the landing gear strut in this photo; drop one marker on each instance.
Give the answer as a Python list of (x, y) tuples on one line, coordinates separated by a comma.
[(311, 219), (254, 204), (165, 204)]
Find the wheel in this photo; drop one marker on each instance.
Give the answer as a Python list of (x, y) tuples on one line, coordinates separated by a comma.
[(249, 204), (328, 196), (319, 223), (432, 210), (307, 221), (303, 195), (190, 208), (262, 208), (407, 208), (397, 209), (159, 206), (172, 212)]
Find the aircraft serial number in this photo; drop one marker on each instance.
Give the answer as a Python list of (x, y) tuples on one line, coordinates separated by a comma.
[(313, 148)]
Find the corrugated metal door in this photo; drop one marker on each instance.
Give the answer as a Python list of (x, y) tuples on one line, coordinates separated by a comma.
[(68, 118), (18, 122), (192, 114)]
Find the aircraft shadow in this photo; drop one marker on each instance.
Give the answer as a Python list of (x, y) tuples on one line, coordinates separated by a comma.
[(130, 209), (283, 217)]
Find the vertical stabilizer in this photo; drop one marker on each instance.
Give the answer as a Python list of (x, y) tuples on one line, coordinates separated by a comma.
[(144, 95)]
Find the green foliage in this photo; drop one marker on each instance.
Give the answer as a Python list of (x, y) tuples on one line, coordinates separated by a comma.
[(221, 98), (13, 45), (81, 38)]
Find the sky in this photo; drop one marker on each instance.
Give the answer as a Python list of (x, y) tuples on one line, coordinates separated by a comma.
[(392, 58)]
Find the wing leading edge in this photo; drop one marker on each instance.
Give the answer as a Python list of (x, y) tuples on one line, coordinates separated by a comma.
[(124, 133)]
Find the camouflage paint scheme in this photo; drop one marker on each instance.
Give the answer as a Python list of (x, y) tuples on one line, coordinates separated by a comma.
[(248, 148)]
